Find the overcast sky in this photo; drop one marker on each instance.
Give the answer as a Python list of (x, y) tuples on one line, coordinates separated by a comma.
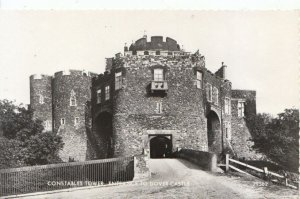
[(259, 47)]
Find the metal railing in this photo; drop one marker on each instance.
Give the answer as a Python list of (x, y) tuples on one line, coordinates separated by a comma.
[(65, 175)]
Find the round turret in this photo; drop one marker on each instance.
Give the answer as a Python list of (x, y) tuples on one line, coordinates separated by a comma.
[(71, 92), (41, 99)]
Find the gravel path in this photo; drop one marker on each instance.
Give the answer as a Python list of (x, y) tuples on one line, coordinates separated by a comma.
[(173, 178)]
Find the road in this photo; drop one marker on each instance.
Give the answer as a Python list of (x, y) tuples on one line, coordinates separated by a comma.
[(173, 178)]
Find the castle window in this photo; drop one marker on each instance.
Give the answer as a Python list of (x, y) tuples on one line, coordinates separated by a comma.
[(215, 96), (199, 79), (157, 52), (107, 93), (227, 130), (76, 121), (98, 96), (158, 74), (209, 92), (241, 108), (41, 99), (73, 99), (227, 106), (118, 80), (84, 73), (159, 107), (62, 121), (146, 52), (47, 125)]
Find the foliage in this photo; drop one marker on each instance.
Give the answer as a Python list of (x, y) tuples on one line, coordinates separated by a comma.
[(9, 153), (24, 142), (41, 149), (13, 118), (278, 137)]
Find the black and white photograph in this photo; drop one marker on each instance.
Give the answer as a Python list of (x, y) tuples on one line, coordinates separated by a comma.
[(177, 102)]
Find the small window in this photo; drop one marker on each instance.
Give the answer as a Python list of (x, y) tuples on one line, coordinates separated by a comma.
[(76, 121), (227, 106), (215, 96), (159, 107), (170, 53), (73, 99), (158, 74), (157, 52), (47, 125), (118, 80), (98, 96), (146, 52), (62, 121), (199, 79), (241, 109), (84, 73), (107, 93), (209, 92), (41, 99)]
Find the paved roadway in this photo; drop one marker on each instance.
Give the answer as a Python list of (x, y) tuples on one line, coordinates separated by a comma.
[(173, 178)]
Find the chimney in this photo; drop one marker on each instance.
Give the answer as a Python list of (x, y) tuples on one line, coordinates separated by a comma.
[(125, 48), (223, 68), (109, 64)]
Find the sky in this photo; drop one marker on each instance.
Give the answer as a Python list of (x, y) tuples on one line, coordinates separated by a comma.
[(260, 48)]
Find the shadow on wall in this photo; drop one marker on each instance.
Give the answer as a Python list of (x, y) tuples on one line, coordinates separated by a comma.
[(205, 160), (214, 133), (101, 136)]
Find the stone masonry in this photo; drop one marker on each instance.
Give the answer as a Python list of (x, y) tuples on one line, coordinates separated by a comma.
[(152, 97)]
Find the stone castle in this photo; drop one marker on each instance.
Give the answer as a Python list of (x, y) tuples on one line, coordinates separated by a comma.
[(154, 99)]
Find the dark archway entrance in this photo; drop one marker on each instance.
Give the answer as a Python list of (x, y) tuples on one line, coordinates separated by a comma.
[(214, 135), (103, 125), (160, 146)]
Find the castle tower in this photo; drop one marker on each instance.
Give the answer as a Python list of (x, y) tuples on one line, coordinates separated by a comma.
[(71, 92), (150, 97), (41, 99)]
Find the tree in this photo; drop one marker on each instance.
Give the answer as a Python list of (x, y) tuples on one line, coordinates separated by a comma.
[(13, 118), (25, 141), (9, 153), (278, 137), (41, 149)]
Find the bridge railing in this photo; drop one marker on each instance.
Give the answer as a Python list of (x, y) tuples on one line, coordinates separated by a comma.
[(30, 179), (266, 173)]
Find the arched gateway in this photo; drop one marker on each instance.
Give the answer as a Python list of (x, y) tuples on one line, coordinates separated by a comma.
[(160, 146)]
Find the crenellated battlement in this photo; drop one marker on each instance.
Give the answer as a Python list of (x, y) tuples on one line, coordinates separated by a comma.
[(40, 76), (74, 73), (155, 43)]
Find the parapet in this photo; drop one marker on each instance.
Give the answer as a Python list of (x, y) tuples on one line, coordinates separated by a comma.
[(75, 73), (156, 43), (40, 76)]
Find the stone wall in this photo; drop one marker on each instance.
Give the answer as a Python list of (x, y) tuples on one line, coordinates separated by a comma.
[(74, 135), (135, 109), (41, 85), (205, 160), (241, 137)]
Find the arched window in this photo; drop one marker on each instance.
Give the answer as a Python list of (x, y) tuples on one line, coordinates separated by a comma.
[(73, 99)]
